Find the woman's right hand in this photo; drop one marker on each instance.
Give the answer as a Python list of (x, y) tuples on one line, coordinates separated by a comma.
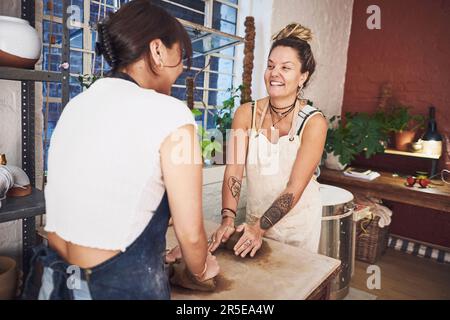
[(222, 234), (212, 268)]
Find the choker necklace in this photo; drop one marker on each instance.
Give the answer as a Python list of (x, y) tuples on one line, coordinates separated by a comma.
[(279, 111), (282, 115)]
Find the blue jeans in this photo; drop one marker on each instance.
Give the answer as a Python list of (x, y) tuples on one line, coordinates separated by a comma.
[(138, 273)]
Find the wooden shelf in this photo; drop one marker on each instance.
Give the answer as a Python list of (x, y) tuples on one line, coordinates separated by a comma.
[(390, 187), (411, 154), (22, 207)]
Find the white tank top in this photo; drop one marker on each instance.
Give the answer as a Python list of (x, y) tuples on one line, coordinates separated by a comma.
[(268, 169), (104, 175)]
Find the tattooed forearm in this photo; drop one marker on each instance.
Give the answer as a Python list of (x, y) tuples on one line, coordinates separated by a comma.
[(277, 210), (235, 187)]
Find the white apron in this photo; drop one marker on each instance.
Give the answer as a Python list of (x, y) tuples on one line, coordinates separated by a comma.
[(268, 170)]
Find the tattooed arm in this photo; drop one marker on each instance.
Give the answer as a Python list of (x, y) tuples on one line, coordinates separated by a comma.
[(234, 171), (308, 157)]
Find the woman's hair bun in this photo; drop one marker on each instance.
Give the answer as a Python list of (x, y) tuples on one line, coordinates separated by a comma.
[(294, 30)]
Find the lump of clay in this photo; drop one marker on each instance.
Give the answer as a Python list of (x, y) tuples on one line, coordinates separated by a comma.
[(180, 276), (229, 245)]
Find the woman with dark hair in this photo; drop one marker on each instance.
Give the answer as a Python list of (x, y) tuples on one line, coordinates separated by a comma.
[(117, 170), (280, 155)]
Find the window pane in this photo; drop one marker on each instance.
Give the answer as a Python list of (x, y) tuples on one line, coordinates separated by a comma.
[(76, 38), (57, 8), (179, 93), (220, 81), (225, 26), (198, 95), (76, 62), (210, 123), (56, 32), (198, 62), (198, 80), (183, 13), (223, 12), (222, 65), (228, 52), (98, 12), (216, 98), (54, 89), (51, 61), (75, 87)]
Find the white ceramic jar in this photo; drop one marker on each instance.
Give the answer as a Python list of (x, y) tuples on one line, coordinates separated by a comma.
[(20, 44)]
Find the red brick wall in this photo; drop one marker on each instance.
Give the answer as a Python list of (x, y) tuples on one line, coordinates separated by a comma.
[(412, 51)]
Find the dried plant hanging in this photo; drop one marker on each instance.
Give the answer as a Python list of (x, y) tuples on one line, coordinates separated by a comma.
[(190, 92), (249, 49), (385, 96)]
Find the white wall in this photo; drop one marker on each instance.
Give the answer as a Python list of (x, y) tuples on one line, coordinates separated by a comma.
[(330, 22)]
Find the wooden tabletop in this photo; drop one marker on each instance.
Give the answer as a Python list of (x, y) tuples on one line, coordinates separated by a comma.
[(279, 271), (388, 187)]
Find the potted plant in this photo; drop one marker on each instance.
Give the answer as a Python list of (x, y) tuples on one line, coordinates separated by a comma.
[(361, 133), (403, 124), (339, 150)]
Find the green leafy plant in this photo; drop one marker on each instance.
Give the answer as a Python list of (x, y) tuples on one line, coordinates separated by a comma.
[(399, 119), (360, 133), (224, 116), (338, 141), (86, 80)]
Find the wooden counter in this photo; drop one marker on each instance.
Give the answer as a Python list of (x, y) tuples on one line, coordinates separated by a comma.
[(278, 272), (387, 187)]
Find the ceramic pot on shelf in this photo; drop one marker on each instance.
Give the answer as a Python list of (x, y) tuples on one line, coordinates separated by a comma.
[(332, 162), (20, 45), (403, 139)]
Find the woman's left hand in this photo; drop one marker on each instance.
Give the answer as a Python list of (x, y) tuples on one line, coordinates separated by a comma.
[(250, 241)]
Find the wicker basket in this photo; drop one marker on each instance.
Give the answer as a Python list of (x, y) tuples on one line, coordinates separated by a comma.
[(371, 240)]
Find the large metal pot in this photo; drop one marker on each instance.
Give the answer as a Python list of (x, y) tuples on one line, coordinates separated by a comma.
[(337, 235)]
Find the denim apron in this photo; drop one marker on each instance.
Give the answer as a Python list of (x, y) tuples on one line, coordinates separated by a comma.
[(138, 273)]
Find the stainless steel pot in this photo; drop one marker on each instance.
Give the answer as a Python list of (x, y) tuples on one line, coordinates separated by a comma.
[(337, 235)]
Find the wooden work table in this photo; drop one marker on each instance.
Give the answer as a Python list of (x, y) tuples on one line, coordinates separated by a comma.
[(436, 196), (278, 272)]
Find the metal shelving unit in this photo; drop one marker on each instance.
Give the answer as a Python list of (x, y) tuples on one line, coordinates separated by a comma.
[(27, 208)]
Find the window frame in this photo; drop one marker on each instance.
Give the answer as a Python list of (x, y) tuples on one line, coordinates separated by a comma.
[(89, 55)]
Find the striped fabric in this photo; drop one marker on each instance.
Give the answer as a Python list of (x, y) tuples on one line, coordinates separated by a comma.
[(419, 250)]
